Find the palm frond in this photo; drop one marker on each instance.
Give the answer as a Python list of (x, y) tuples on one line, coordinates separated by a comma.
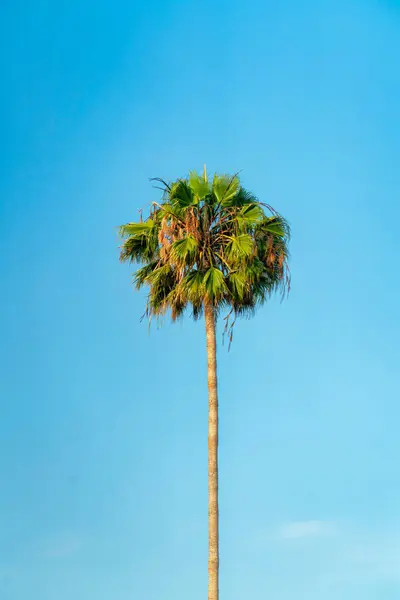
[(165, 186), (138, 249), (181, 194), (275, 225), (135, 229), (141, 276), (199, 185), (250, 215), (225, 188), (214, 285), (237, 283), (183, 251), (242, 198), (192, 287), (239, 246)]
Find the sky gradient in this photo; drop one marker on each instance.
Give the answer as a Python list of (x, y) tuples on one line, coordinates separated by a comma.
[(103, 426)]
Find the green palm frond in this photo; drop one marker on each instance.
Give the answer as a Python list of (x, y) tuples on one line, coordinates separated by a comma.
[(171, 211), (199, 185), (238, 283), (138, 249), (225, 188), (214, 285), (141, 276), (181, 194), (250, 216), (183, 251), (137, 229), (239, 246), (160, 276), (275, 225), (192, 287), (243, 198)]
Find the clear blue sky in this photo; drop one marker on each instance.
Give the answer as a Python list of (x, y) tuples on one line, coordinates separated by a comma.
[(103, 426)]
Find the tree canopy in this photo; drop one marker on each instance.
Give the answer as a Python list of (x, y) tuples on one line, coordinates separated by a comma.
[(208, 241)]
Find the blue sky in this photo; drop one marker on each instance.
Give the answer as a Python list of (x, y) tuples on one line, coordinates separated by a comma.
[(103, 426)]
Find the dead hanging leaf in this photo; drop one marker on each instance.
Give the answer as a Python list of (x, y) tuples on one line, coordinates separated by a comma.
[(228, 328), (164, 253)]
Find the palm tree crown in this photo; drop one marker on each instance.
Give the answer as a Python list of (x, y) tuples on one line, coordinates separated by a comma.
[(208, 243)]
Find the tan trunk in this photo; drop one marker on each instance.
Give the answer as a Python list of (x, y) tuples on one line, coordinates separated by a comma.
[(213, 536)]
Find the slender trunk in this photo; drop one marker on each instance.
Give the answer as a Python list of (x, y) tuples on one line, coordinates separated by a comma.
[(213, 536)]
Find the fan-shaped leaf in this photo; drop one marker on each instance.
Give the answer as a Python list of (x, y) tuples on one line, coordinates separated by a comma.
[(199, 185), (138, 248), (137, 228), (160, 274), (240, 246), (274, 225), (181, 193), (243, 197), (184, 251), (142, 274), (225, 188), (192, 287), (214, 284), (252, 214), (237, 283)]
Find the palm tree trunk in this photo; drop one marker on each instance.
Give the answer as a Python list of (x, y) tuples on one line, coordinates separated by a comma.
[(213, 536)]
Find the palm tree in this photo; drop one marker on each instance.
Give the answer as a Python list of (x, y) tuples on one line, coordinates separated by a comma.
[(209, 246)]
